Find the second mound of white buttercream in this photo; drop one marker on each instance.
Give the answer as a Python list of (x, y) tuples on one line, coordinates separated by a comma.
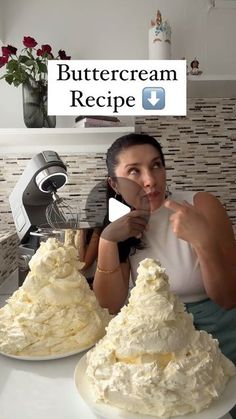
[(152, 360)]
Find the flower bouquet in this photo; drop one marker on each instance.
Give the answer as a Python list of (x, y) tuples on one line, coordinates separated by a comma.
[(29, 68)]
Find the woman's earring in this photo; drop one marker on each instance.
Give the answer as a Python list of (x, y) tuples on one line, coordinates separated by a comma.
[(119, 197), (168, 193)]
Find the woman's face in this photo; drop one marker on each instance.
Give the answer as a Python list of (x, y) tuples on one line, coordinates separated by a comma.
[(141, 177)]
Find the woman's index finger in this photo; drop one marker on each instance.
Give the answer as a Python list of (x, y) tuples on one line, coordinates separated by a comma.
[(173, 205)]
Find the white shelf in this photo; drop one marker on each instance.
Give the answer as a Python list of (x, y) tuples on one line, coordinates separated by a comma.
[(62, 140), (211, 86), (222, 4), (60, 131), (212, 77)]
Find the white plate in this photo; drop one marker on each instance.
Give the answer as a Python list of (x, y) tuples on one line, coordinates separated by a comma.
[(216, 410), (46, 357)]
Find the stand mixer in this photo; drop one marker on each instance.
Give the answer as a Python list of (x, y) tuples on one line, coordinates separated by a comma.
[(45, 174), (34, 203)]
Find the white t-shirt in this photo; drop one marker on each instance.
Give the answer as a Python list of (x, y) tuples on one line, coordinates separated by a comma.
[(175, 255)]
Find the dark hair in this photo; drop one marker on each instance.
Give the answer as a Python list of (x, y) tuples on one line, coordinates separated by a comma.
[(123, 143), (126, 141), (195, 61)]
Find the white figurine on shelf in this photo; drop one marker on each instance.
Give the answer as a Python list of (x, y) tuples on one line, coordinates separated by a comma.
[(195, 68)]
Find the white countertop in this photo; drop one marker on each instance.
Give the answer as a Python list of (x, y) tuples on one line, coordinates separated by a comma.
[(41, 389)]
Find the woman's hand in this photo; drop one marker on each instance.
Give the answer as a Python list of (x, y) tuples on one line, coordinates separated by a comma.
[(188, 223), (130, 225), (207, 227)]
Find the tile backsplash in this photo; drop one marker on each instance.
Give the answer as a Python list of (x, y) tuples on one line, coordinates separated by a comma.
[(8, 254), (200, 149), (200, 152)]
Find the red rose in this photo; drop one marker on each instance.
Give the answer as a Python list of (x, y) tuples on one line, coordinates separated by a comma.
[(46, 48), (3, 60), (5, 51), (29, 42), (63, 55), (39, 52), (9, 50)]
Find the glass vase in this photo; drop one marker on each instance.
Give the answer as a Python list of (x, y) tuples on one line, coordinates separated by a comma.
[(35, 101)]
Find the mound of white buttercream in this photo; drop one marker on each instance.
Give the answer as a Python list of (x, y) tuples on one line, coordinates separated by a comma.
[(152, 360), (54, 311)]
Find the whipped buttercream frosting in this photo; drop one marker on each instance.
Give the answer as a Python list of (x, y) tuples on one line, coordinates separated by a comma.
[(54, 311), (152, 360)]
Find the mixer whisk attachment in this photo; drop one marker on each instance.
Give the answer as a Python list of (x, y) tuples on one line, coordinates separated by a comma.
[(61, 215)]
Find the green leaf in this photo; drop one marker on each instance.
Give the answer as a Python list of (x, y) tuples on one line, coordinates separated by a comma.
[(9, 78), (11, 65), (42, 67), (29, 63), (23, 59)]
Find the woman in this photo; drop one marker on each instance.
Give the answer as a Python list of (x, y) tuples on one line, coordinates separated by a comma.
[(189, 233)]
